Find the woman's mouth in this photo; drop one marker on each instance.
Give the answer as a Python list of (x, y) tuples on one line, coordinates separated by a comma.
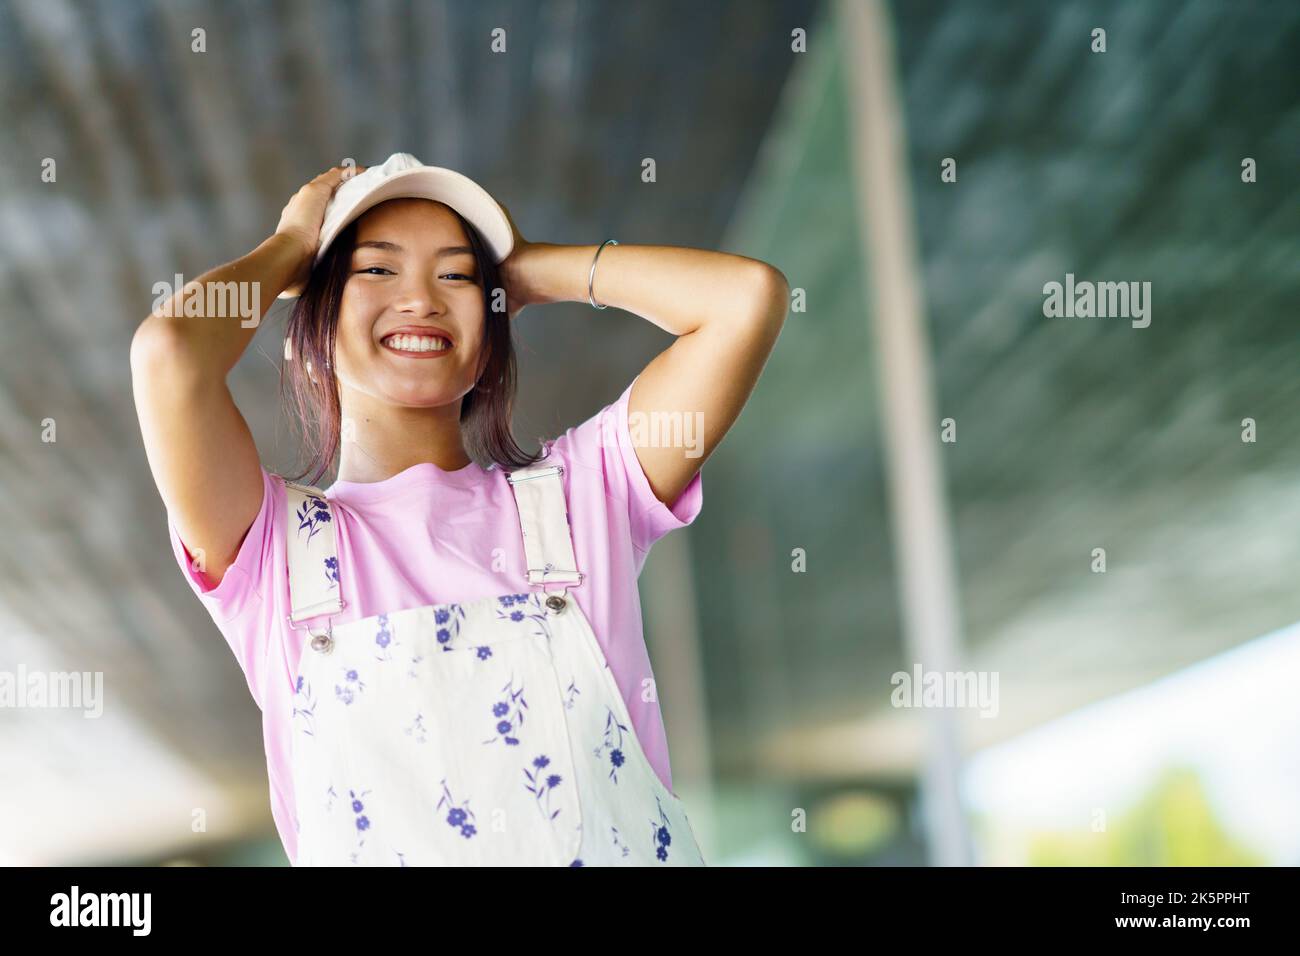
[(417, 346)]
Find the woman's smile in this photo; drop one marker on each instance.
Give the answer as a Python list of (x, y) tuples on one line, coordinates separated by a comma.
[(417, 346)]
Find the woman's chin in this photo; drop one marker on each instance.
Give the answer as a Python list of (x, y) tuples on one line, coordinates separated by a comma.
[(423, 394)]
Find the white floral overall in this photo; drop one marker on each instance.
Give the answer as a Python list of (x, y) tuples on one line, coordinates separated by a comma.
[(485, 733)]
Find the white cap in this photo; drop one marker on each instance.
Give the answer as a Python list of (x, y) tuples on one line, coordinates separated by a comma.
[(403, 176)]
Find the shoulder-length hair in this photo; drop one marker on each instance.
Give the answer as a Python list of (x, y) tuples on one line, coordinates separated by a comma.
[(308, 384)]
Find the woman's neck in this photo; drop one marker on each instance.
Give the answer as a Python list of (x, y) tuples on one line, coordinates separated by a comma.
[(377, 443)]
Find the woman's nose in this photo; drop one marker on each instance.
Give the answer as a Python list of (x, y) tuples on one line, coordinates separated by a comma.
[(419, 294)]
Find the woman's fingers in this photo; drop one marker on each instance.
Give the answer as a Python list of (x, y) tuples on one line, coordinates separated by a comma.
[(304, 214), (343, 171)]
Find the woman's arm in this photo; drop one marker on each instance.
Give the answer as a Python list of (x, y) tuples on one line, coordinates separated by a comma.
[(211, 344), (200, 449), (726, 311)]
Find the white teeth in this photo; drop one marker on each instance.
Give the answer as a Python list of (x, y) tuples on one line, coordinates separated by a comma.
[(417, 343)]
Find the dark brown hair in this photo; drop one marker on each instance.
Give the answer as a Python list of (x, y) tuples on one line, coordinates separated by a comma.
[(311, 332)]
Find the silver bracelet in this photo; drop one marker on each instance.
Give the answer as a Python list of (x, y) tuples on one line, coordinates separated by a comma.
[(591, 278)]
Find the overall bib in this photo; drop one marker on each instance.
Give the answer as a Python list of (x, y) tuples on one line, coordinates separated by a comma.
[(485, 733)]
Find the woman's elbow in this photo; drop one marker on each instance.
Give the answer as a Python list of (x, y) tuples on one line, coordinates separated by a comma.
[(770, 294)]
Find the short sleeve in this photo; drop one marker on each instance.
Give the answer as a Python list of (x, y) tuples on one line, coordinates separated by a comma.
[(605, 441), (242, 604)]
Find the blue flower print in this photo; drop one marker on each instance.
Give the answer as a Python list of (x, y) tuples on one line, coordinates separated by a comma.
[(541, 788), (659, 836), (524, 607), (664, 839), (509, 714), (311, 515), (352, 685), (614, 732), (359, 810), (361, 821), (459, 816), (577, 862), (572, 693), (304, 706), (623, 848), (384, 639), (417, 729), (484, 652), (332, 571), (449, 618)]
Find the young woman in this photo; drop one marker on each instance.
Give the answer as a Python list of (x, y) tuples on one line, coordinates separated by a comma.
[(446, 644)]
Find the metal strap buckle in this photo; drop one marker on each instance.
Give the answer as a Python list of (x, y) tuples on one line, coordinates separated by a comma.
[(544, 571), (553, 470), (329, 620)]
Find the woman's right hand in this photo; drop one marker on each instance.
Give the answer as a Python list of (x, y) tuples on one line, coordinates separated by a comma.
[(301, 218)]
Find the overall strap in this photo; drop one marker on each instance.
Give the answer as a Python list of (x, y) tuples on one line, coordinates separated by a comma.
[(313, 554), (544, 523)]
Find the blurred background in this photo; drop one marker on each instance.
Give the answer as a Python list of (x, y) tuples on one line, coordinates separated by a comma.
[(931, 472)]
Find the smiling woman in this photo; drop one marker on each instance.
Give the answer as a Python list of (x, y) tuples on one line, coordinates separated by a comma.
[(406, 265), (396, 628)]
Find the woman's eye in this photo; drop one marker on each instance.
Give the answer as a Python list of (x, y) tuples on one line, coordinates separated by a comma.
[(381, 270)]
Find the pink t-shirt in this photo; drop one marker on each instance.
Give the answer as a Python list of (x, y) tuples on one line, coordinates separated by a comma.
[(425, 536)]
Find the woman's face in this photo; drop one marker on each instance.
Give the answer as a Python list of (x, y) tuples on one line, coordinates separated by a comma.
[(412, 266)]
